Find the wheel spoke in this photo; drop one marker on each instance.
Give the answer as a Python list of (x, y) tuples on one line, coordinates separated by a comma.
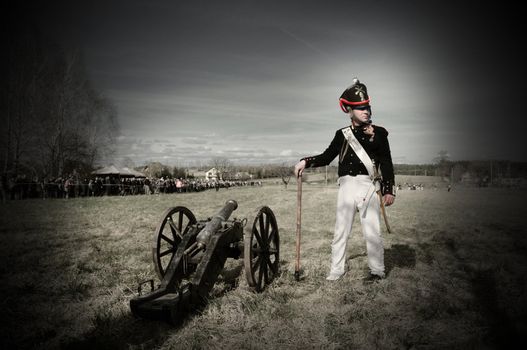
[(168, 251), (271, 237), (187, 228), (180, 222), (271, 265), (163, 263), (167, 239), (173, 227), (267, 218), (266, 272), (256, 234), (263, 232), (260, 275), (273, 251)]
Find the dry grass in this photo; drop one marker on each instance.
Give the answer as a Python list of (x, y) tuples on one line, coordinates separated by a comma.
[(456, 275)]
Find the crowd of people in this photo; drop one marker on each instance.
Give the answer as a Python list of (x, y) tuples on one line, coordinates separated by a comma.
[(74, 186), (411, 186)]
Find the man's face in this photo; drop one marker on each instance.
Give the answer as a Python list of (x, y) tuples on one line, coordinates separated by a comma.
[(360, 116)]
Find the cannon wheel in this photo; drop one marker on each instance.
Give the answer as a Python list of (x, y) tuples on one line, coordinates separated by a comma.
[(262, 250), (175, 224)]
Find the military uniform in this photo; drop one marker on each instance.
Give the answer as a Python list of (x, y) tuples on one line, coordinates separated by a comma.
[(377, 148), (357, 187)]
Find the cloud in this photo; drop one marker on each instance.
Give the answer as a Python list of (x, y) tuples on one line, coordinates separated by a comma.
[(286, 153), (256, 87), (195, 140)]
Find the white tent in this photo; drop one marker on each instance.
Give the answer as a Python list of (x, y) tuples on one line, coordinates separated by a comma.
[(108, 170), (131, 172), (125, 172), (113, 170)]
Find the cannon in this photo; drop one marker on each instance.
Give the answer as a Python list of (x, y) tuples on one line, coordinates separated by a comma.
[(189, 255)]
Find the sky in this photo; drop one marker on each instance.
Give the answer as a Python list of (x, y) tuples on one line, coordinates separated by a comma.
[(259, 81)]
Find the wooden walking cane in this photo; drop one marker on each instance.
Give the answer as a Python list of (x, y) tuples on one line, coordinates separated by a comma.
[(379, 193), (383, 209), (298, 224)]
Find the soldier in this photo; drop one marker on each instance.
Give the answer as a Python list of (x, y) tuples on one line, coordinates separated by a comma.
[(362, 148)]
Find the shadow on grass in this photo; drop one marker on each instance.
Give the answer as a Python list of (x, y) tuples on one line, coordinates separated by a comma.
[(502, 332), (399, 255), (355, 256), (128, 331), (123, 333), (227, 280)]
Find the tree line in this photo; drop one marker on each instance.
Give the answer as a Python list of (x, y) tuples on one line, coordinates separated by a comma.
[(226, 170), (475, 168), (54, 121)]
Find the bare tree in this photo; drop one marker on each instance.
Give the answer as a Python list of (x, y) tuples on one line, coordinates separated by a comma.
[(20, 95), (285, 172), (442, 156), (127, 162), (53, 120), (67, 105), (100, 127), (223, 167), (443, 163), (74, 125), (157, 170)]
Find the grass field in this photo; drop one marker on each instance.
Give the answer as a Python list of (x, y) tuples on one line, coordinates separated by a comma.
[(457, 275)]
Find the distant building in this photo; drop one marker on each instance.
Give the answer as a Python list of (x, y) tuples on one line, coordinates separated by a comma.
[(211, 175)]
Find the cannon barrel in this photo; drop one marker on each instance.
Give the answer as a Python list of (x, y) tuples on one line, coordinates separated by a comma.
[(215, 223)]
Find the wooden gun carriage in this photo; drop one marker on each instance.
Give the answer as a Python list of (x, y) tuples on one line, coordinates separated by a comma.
[(189, 256)]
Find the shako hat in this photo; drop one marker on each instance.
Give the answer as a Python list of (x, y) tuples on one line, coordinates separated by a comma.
[(354, 96)]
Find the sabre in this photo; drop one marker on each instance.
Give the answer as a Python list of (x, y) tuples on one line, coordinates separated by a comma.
[(298, 224)]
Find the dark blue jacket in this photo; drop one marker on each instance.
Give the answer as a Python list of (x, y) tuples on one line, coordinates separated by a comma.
[(349, 164)]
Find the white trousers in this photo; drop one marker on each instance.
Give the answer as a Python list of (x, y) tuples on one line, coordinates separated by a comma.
[(357, 192)]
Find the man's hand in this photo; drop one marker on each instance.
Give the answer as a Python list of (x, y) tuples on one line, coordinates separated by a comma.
[(388, 199), (368, 130), (299, 168)]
